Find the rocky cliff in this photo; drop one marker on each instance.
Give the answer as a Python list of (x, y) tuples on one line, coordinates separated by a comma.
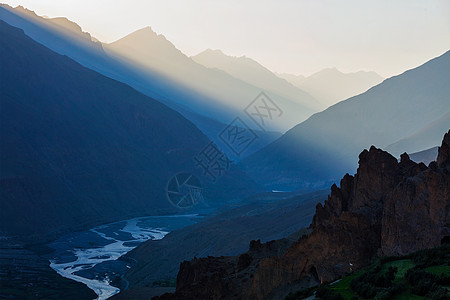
[(387, 208)]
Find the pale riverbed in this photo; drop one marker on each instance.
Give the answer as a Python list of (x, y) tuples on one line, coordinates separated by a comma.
[(91, 256)]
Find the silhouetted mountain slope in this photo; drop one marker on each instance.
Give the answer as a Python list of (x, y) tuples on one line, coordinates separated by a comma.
[(425, 138), (326, 145), (64, 38), (59, 34), (425, 156), (79, 148), (67, 38), (330, 86)]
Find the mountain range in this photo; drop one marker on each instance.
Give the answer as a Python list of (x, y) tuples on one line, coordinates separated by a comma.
[(316, 151), (339, 85), (250, 71), (147, 49), (74, 138), (210, 96), (424, 138), (154, 66), (93, 133)]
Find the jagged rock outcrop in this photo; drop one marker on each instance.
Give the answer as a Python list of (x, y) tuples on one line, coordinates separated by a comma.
[(416, 213), (224, 277), (387, 208), (443, 159)]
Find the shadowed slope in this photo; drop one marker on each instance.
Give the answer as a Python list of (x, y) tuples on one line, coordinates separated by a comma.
[(67, 38), (425, 138), (79, 148), (326, 145)]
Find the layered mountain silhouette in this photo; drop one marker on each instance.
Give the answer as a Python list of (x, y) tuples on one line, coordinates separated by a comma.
[(79, 148), (152, 65), (330, 86), (226, 92), (425, 156), (324, 146), (425, 138), (64, 38), (250, 71)]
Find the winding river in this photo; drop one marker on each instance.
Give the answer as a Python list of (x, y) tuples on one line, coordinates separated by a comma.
[(91, 256)]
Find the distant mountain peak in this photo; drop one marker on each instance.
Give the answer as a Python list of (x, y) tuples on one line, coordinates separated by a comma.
[(58, 23), (22, 9), (334, 71), (219, 54), (339, 85), (212, 51), (147, 30), (249, 70), (382, 115), (67, 24), (146, 39)]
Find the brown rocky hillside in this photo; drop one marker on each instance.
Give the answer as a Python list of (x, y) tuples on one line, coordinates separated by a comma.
[(387, 208)]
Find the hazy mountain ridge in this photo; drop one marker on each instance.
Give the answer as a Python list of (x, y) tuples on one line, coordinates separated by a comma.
[(200, 109), (64, 36), (326, 144), (93, 133), (425, 156), (425, 138), (154, 52), (90, 55), (331, 85), (248, 70), (62, 22)]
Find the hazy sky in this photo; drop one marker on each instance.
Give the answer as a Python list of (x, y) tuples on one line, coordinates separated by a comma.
[(299, 37)]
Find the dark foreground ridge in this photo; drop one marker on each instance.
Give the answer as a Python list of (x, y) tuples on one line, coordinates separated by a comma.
[(387, 208)]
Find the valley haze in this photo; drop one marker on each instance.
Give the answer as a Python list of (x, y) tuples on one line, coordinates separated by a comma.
[(235, 150)]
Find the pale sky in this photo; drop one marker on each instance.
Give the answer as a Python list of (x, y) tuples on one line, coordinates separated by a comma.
[(286, 36)]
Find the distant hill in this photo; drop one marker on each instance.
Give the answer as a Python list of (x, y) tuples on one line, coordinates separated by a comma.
[(425, 156), (250, 71), (79, 148), (426, 137), (330, 86), (326, 145)]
